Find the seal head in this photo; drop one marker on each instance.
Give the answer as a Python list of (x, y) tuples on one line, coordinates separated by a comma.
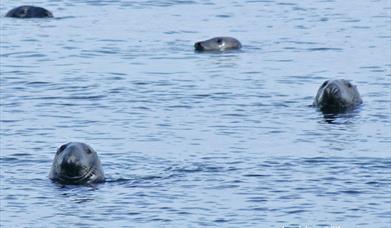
[(337, 96), (218, 44), (76, 163), (29, 12)]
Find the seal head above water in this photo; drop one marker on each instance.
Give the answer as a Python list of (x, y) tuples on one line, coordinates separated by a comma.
[(337, 96), (218, 44), (29, 12), (76, 163)]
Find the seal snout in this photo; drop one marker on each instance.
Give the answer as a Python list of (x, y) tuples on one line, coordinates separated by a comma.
[(198, 46), (71, 169), (331, 96), (71, 164)]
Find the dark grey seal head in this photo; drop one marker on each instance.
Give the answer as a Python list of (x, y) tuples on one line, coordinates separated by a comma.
[(218, 44), (29, 12), (76, 163), (337, 96)]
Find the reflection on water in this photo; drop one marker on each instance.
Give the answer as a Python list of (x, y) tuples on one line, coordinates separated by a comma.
[(208, 139)]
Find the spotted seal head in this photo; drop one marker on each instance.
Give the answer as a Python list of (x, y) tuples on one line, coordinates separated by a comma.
[(76, 163), (29, 12), (337, 96), (218, 44)]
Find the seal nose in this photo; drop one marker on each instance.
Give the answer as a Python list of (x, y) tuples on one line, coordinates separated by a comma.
[(331, 91), (331, 96), (198, 46), (71, 164)]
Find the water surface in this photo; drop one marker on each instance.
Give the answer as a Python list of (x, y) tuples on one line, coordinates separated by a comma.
[(191, 139)]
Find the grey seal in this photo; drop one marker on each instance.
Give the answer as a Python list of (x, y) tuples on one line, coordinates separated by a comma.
[(337, 96), (29, 12), (76, 163), (218, 44)]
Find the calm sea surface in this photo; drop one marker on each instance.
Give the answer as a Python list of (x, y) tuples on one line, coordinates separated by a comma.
[(197, 139)]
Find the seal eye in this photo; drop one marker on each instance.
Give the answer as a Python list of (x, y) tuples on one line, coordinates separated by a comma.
[(89, 150), (324, 84), (62, 148), (219, 41), (349, 84)]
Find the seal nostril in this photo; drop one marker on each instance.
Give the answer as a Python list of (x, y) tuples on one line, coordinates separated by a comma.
[(331, 91), (334, 91)]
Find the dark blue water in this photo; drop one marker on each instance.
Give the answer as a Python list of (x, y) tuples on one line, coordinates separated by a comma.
[(189, 139)]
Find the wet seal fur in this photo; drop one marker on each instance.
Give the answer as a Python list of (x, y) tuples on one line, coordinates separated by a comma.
[(218, 44), (29, 12), (336, 96), (76, 163)]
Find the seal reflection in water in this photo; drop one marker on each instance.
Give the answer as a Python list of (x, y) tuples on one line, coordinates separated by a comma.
[(76, 163), (336, 96), (218, 44), (29, 12)]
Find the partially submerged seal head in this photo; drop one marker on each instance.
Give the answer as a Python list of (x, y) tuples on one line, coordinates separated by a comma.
[(337, 96), (218, 44), (76, 163), (29, 12)]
